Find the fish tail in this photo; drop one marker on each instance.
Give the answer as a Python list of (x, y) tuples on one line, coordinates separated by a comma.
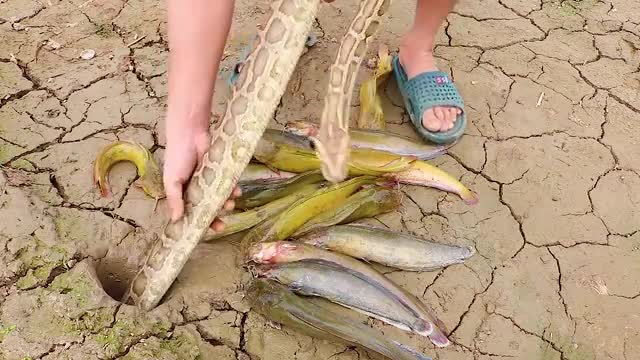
[(439, 339), (422, 327), (469, 197), (432, 154), (104, 189), (100, 180), (415, 353), (470, 251)]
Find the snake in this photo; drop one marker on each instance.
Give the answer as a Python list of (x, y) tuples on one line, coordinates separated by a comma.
[(254, 98)]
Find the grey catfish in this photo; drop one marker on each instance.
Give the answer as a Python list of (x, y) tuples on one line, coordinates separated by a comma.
[(341, 287), (390, 248), (322, 319)]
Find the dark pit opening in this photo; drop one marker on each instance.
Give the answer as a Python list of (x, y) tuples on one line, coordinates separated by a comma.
[(115, 277)]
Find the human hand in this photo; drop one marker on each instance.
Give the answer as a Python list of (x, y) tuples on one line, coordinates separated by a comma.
[(186, 146)]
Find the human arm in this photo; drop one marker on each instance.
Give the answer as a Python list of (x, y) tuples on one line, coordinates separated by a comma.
[(197, 31)]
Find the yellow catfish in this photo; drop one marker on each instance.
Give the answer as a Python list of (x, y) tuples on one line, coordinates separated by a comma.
[(148, 170)]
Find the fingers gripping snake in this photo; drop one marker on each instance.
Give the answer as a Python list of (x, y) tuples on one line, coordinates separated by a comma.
[(262, 82)]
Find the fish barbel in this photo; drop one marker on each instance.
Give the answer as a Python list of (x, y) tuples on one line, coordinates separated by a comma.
[(375, 139)]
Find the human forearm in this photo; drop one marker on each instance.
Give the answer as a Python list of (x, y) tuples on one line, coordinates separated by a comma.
[(197, 34)]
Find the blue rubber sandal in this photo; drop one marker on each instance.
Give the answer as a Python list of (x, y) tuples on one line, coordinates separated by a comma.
[(427, 90)]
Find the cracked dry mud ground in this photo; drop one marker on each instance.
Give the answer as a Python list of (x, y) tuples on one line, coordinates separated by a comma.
[(557, 273)]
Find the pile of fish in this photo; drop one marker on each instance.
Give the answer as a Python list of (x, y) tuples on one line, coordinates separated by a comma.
[(310, 259), (313, 264)]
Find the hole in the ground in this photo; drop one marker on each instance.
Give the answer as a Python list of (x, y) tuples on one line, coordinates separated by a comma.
[(115, 276)]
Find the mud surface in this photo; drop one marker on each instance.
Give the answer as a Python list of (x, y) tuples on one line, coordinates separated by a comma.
[(553, 146)]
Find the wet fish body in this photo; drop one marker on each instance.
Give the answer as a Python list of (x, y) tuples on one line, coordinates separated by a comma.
[(298, 157), (324, 280), (305, 209), (424, 174), (398, 250), (150, 176), (322, 319), (371, 113), (257, 193), (322, 200), (244, 220), (396, 168), (286, 252), (261, 172), (376, 139), (288, 138), (367, 202)]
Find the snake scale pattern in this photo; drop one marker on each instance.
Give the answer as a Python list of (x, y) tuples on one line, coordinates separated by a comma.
[(255, 96)]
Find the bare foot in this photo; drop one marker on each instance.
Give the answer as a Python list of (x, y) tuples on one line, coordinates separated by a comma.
[(417, 61)]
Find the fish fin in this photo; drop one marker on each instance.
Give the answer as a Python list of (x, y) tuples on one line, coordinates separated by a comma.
[(103, 184), (432, 154), (405, 348), (470, 251), (424, 328), (439, 325), (469, 197), (365, 226), (399, 164), (137, 184), (380, 317), (104, 189)]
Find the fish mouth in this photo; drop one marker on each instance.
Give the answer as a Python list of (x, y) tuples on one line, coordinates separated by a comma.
[(470, 251), (263, 270), (301, 128)]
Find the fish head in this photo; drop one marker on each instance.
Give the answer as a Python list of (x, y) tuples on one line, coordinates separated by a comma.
[(263, 270), (271, 252), (152, 183), (264, 293), (302, 128)]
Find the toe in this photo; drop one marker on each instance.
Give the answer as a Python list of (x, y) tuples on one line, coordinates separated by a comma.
[(449, 126), (442, 114), (430, 121), (452, 113), (451, 118)]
